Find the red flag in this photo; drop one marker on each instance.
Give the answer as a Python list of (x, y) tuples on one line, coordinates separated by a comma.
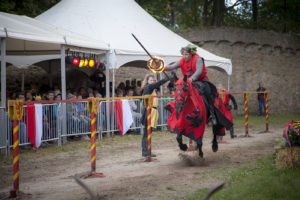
[(35, 124), (123, 116)]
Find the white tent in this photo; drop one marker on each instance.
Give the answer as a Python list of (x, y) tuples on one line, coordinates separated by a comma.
[(29, 41), (113, 21), (25, 41)]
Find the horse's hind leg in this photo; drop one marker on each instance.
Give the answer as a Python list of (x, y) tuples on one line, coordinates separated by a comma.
[(232, 135), (199, 145), (216, 131), (182, 146)]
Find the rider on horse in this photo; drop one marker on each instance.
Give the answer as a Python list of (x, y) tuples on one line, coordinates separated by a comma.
[(192, 65)]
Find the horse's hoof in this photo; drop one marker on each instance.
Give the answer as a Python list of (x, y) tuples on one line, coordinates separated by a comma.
[(183, 147), (215, 147)]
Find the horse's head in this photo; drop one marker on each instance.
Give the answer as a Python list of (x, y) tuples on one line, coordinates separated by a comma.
[(181, 94)]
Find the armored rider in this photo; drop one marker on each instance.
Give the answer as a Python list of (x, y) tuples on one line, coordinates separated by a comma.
[(192, 65)]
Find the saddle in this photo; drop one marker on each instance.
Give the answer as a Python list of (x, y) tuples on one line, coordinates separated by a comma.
[(209, 93)]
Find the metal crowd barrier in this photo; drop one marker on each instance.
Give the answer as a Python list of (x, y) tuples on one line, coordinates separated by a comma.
[(77, 119), (111, 127)]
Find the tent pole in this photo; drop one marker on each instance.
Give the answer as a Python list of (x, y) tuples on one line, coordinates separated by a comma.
[(3, 123), (113, 83), (3, 72), (23, 81), (161, 109), (50, 75), (107, 91), (63, 72), (114, 105), (63, 93), (228, 82)]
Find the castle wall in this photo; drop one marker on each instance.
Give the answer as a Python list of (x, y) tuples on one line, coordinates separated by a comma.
[(257, 56)]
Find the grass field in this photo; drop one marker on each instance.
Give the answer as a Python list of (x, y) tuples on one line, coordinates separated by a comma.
[(274, 119), (256, 180)]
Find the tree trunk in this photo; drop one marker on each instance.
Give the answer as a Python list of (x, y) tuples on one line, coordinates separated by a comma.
[(205, 13), (218, 12), (285, 10), (172, 13), (254, 13)]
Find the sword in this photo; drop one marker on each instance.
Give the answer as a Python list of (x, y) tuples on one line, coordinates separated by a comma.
[(154, 59)]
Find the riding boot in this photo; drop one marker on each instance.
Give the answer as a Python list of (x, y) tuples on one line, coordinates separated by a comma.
[(212, 115), (208, 105), (144, 143)]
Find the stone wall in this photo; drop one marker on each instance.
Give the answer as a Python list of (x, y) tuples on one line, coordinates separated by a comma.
[(257, 56)]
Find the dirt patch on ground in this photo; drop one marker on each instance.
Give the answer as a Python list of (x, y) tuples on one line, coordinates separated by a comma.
[(174, 175)]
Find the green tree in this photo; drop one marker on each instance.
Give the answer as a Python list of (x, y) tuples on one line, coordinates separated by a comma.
[(280, 15), (30, 8)]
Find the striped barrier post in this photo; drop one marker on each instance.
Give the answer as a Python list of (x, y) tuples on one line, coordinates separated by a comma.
[(93, 142), (93, 107), (15, 112), (267, 111), (15, 158), (246, 113)]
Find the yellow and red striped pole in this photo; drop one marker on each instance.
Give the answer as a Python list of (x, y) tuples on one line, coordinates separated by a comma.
[(246, 114), (267, 111), (15, 112), (15, 158), (93, 142), (93, 107)]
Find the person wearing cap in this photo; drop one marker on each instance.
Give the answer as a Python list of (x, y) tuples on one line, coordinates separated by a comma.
[(192, 65)]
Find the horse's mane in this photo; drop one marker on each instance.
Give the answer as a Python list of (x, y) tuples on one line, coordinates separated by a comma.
[(194, 93)]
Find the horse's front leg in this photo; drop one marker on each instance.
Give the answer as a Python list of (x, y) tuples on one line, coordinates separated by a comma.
[(182, 146), (199, 145)]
